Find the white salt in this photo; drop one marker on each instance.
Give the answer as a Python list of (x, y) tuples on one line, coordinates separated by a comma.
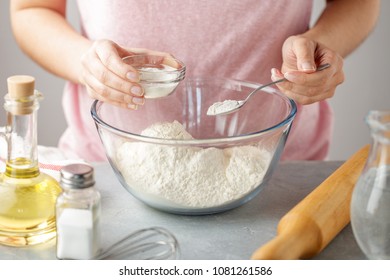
[(77, 234)]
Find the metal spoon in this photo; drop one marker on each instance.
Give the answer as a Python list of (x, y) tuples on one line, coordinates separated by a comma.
[(230, 106)]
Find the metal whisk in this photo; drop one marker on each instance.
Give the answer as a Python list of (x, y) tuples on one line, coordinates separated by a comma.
[(153, 243)]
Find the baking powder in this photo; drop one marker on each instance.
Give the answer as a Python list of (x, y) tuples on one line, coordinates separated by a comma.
[(158, 82)]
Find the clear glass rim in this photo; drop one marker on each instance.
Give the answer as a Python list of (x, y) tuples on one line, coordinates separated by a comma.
[(379, 120), (286, 121), (182, 66)]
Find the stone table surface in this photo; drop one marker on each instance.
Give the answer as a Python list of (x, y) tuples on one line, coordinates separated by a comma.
[(231, 235)]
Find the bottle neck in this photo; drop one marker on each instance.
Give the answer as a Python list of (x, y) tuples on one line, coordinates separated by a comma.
[(380, 153), (22, 158), (379, 124)]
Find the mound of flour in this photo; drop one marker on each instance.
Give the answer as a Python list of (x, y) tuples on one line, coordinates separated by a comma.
[(189, 176)]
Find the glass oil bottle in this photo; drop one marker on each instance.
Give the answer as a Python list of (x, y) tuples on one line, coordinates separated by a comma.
[(27, 196)]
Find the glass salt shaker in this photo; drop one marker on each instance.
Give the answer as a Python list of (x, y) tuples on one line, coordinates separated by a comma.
[(77, 214), (370, 205)]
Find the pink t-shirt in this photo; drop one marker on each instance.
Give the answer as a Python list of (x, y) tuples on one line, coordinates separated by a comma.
[(250, 33)]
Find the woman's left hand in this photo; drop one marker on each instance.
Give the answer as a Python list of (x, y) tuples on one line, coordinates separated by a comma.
[(301, 57)]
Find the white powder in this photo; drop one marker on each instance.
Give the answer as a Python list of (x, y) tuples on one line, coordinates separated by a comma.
[(156, 82), (223, 107), (77, 235), (190, 177)]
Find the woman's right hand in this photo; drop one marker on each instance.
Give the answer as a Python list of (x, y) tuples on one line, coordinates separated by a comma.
[(108, 78)]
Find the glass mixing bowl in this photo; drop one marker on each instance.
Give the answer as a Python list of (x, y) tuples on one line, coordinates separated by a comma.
[(174, 157)]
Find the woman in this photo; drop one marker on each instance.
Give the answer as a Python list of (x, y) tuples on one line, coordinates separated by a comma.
[(256, 36)]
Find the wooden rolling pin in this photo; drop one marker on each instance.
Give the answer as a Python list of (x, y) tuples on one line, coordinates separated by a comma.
[(309, 227)]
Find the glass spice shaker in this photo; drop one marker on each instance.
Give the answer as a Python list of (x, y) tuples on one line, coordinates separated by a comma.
[(78, 214), (370, 205)]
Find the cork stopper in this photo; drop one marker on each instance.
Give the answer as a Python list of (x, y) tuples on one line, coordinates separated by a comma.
[(21, 97), (21, 86)]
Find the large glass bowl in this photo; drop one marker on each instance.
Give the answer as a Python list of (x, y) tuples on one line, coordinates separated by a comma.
[(214, 163)]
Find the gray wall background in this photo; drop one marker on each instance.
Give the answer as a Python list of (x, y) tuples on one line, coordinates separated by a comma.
[(366, 86)]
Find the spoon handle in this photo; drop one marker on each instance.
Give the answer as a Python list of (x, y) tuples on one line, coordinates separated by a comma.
[(319, 68)]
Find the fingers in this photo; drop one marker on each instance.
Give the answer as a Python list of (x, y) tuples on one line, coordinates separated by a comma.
[(304, 51), (301, 57), (100, 91), (108, 78), (307, 88), (108, 54)]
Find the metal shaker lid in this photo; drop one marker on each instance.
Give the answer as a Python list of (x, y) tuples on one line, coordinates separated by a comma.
[(77, 176)]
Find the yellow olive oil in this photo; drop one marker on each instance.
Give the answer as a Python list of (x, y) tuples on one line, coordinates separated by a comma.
[(27, 211), (27, 196)]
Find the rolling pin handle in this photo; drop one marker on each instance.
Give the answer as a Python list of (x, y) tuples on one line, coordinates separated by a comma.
[(290, 243), (308, 228)]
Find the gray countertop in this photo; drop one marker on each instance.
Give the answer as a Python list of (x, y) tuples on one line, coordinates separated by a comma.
[(234, 234)]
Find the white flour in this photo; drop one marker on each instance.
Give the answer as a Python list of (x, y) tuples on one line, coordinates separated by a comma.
[(190, 177)]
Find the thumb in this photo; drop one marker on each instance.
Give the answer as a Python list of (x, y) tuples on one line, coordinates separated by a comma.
[(304, 52)]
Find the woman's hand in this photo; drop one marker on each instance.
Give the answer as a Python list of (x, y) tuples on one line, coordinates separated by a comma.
[(301, 57), (108, 78)]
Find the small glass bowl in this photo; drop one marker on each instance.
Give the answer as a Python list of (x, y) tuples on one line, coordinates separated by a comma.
[(159, 75)]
